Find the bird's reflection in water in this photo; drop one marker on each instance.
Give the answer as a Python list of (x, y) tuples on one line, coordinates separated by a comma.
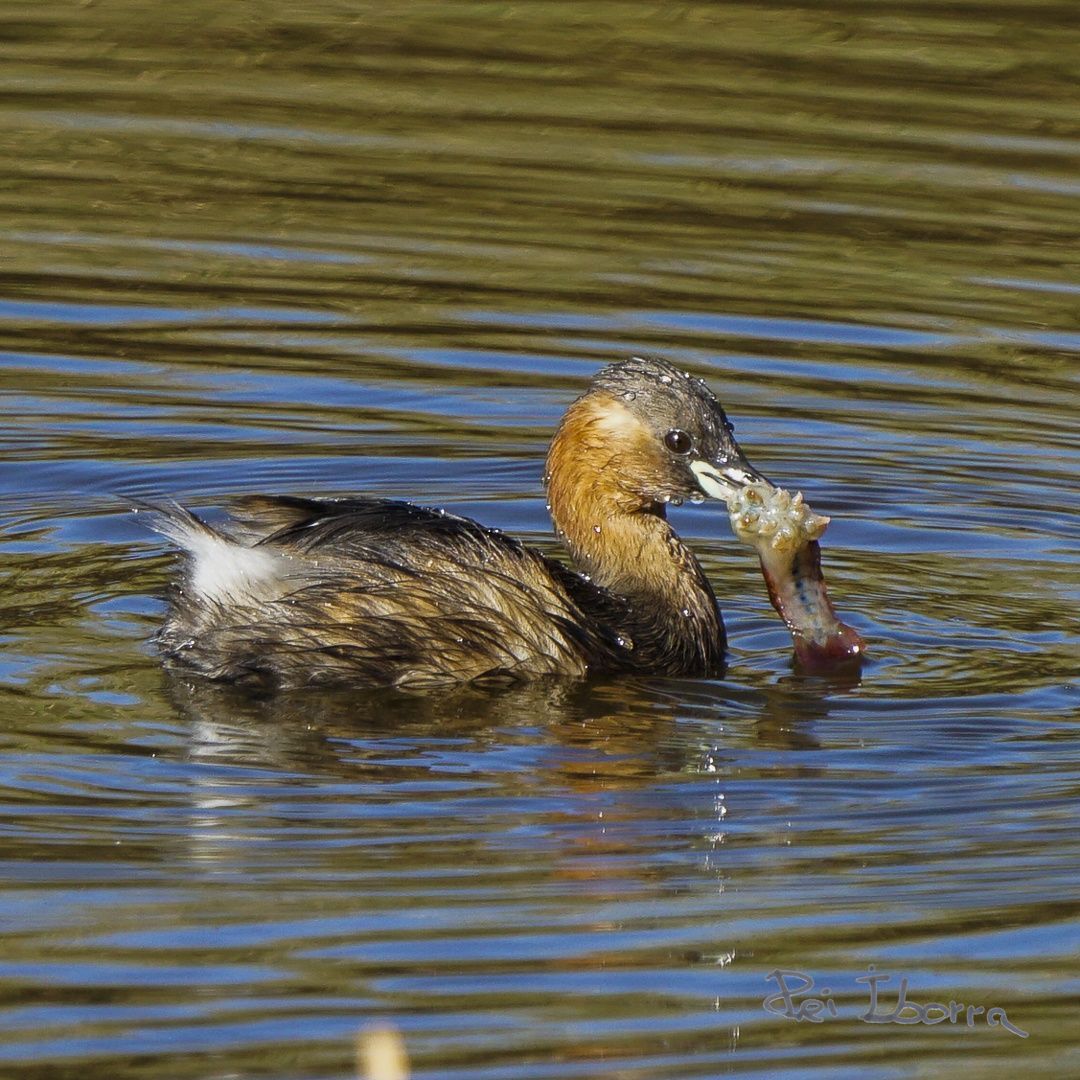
[(547, 734)]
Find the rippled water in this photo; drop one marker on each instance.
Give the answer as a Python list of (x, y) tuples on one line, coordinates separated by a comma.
[(337, 248)]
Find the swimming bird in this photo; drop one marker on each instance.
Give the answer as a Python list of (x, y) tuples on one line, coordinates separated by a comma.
[(294, 592)]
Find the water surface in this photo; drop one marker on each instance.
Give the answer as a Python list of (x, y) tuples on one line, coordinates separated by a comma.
[(327, 248)]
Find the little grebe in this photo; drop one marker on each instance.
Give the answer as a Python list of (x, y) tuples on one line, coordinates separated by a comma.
[(294, 592)]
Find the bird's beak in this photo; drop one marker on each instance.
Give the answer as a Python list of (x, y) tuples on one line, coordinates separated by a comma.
[(722, 478)]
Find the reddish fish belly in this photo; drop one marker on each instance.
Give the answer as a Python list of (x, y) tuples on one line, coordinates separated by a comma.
[(798, 591), (784, 531)]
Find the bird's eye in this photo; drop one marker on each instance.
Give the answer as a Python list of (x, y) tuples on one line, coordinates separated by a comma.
[(678, 442)]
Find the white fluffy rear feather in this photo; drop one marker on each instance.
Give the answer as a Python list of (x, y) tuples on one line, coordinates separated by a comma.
[(219, 569)]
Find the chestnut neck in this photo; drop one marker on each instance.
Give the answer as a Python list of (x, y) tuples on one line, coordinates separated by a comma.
[(619, 537)]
